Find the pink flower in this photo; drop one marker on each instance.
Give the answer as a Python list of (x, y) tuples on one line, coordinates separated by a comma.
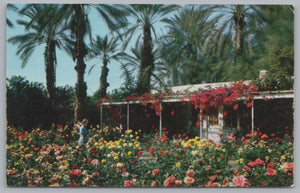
[(236, 106), (151, 151), (154, 184), (128, 183), (288, 167), (256, 163), (95, 174), (271, 172), (207, 168), (210, 184), (155, 171), (190, 172), (213, 178), (178, 182), (221, 133), (246, 169), (189, 180), (252, 164), (239, 181), (74, 174), (95, 162), (170, 181), (249, 105), (264, 136), (259, 162)]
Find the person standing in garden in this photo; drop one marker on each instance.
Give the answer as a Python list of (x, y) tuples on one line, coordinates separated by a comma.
[(83, 132)]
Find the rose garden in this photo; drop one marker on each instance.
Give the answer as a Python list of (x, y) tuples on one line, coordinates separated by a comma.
[(117, 157)]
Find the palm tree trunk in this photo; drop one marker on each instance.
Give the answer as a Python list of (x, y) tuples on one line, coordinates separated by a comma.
[(147, 65), (80, 52), (50, 69), (239, 27), (50, 77), (103, 80)]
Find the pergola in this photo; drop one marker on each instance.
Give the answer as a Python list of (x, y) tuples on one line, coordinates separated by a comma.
[(181, 98)]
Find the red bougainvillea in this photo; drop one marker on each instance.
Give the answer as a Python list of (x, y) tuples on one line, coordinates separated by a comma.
[(202, 99)]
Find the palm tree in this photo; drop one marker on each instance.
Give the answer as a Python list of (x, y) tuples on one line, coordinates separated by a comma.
[(182, 47), (13, 8), (105, 49), (241, 21), (39, 32), (77, 16), (145, 16)]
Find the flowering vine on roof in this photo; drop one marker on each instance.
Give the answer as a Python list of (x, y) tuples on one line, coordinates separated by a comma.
[(203, 99)]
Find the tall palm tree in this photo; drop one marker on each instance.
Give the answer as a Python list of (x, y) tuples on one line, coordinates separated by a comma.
[(145, 16), (106, 50), (41, 32), (77, 16), (241, 21), (182, 47)]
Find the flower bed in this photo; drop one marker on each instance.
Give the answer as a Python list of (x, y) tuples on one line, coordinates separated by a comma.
[(131, 159)]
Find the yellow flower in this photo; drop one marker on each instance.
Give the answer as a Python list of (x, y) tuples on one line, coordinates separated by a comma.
[(98, 126), (128, 131), (177, 164), (116, 158), (283, 157), (129, 153), (96, 144), (241, 160), (66, 163), (36, 172), (103, 161)]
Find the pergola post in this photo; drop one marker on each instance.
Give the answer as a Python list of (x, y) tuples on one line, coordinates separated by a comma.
[(101, 107), (160, 121), (200, 123), (252, 118), (127, 116), (238, 121)]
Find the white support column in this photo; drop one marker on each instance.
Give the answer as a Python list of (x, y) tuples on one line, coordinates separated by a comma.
[(101, 107), (252, 118), (204, 127), (200, 124), (160, 121), (220, 118), (127, 116), (207, 126), (238, 121)]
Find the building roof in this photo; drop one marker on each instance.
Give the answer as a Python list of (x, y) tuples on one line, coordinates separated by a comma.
[(180, 93)]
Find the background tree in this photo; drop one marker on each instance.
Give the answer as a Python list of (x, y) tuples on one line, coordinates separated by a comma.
[(106, 50), (39, 32), (241, 22), (144, 18), (182, 47), (77, 16), (275, 42)]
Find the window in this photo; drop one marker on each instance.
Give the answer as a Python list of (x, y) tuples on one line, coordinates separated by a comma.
[(213, 117)]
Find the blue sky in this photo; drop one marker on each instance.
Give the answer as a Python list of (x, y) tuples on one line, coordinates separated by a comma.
[(65, 73)]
